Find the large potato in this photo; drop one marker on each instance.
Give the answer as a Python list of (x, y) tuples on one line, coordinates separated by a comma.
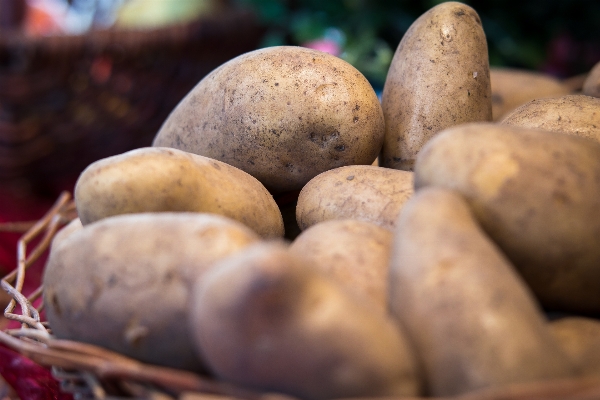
[(537, 194), (580, 339), (572, 114), (439, 77), (362, 192), (472, 319), (163, 179), (282, 114), (514, 87), (354, 253), (264, 318), (123, 282)]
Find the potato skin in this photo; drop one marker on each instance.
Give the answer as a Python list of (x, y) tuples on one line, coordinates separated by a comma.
[(472, 319), (579, 337), (439, 77), (265, 319), (66, 231), (163, 179), (352, 252), (282, 114), (537, 195), (591, 86), (362, 192), (514, 87), (123, 282), (577, 115)]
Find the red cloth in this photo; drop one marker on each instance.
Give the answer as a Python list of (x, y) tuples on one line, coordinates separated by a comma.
[(29, 380)]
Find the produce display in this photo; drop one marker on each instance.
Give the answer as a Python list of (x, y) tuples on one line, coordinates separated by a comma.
[(468, 259)]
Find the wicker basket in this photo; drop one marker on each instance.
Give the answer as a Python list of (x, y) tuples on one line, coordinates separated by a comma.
[(66, 101), (92, 372)]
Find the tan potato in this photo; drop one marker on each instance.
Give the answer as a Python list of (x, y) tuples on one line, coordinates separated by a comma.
[(573, 114), (123, 282), (364, 192), (575, 83), (65, 232), (579, 337), (354, 253), (163, 179), (265, 319), (514, 87), (537, 194), (472, 319), (591, 85), (282, 114), (439, 77)]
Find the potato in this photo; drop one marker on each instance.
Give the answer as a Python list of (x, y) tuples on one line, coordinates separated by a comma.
[(354, 253), (265, 319), (123, 282), (579, 337), (282, 114), (472, 319), (439, 77), (537, 194), (572, 114), (364, 192), (591, 86), (163, 179), (65, 232), (514, 87)]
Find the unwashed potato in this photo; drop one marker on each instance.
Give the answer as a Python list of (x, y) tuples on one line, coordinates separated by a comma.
[(514, 87), (572, 114), (579, 337), (537, 194), (473, 321), (266, 319), (362, 192), (354, 253), (66, 231), (123, 282), (439, 77), (282, 114), (163, 179), (591, 86)]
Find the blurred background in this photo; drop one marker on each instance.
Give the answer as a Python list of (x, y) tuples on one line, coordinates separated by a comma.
[(560, 37)]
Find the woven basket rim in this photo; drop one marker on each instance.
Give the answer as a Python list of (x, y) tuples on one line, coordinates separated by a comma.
[(124, 38)]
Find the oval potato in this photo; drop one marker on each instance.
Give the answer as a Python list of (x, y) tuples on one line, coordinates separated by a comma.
[(473, 321), (282, 114), (439, 77), (354, 253), (574, 114), (163, 179), (362, 192), (537, 194), (591, 86), (265, 319), (513, 87), (123, 282)]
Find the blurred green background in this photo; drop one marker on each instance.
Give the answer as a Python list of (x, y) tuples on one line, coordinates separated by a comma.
[(561, 38)]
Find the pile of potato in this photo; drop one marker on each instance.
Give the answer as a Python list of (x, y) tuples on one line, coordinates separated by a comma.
[(429, 275)]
